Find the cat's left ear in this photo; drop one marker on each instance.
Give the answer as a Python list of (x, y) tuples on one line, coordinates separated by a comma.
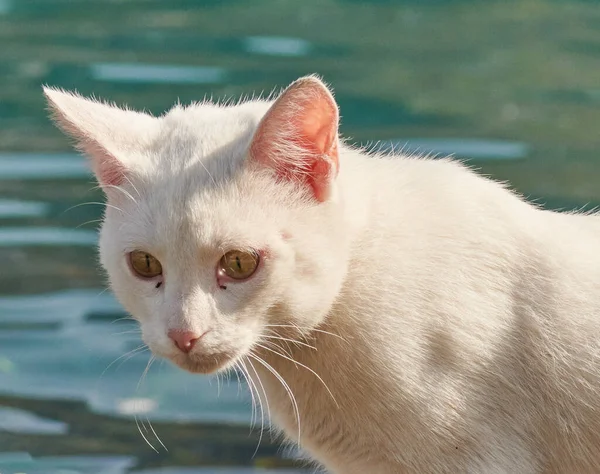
[(298, 137), (111, 137)]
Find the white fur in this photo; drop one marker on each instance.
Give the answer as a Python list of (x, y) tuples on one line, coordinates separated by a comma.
[(455, 325)]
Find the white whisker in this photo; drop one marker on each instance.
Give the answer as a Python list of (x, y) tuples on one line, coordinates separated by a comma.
[(145, 372), (96, 203), (140, 382), (208, 172), (264, 393), (306, 367), (252, 416), (285, 386), (140, 350), (124, 318), (298, 328), (272, 344), (88, 222), (218, 382), (262, 413), (124, 191), (236, 370), (294, 341), (155, 435), (130, 353), (133, 186), (131, 331), (102, 292), (137, 423)]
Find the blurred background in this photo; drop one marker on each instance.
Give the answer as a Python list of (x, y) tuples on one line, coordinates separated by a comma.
[(513, 86)]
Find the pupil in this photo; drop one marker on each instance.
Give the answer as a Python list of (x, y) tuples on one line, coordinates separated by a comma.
[(147, 261), (238, 262)]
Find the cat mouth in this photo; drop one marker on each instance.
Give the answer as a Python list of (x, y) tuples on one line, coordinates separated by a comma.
[(204, 363)]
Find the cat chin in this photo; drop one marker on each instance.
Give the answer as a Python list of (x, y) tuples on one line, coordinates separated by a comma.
[(204, 364)]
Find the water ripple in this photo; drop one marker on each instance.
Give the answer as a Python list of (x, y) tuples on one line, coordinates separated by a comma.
[(19, 421), (277, 46), (25, 463), (42, 166), (157, 73), (10, 208), (459, 147), (43, 236)]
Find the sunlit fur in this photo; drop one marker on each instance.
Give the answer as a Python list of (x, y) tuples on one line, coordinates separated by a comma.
[(424, 319)]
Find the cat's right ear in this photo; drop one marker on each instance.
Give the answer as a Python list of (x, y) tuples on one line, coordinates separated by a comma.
[(298, 137), (106, 134)]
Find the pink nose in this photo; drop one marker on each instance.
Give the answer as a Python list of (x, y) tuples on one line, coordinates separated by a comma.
[(184, 340)]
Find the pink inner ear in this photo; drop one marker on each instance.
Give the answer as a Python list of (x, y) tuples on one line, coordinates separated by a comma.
[(318, 124), (110, 171), (298, 137)]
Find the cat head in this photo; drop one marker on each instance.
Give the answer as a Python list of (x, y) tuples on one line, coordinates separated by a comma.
[(224, 227)]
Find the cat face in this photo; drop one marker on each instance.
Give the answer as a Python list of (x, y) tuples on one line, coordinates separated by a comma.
[(223, 228)]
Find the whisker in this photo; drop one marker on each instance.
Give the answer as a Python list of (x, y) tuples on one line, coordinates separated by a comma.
[(253, 388), (252, 416), (208, 172), (102, 292), (285, 386), (131, 331), (130, 353), (306, 367), (155, 435), (137, 423), (124, 191), (266, 400), (88, 222), (145, 372), (218, 382), (236, 370), (124, 318), (96, 203), (299, 328), (285, 340), (261, 386), (272, 344), (141, 349), (133, 186), (140, 382), (294, 341)]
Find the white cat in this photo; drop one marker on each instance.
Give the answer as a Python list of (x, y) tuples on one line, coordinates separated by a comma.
[(425, 319)]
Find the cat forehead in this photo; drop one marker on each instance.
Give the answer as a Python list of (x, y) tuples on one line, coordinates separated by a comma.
[(215, 195), (213, 123), (174, 222), (202, 140)]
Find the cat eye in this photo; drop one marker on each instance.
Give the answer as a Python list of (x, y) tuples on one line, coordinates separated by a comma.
[(238, 265), (144, 264)]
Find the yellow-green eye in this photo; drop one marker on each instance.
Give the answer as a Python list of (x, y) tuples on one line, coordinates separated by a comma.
[(144, 264), (238, 265)]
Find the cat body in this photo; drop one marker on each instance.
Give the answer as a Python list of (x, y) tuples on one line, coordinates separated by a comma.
[(398, 315)]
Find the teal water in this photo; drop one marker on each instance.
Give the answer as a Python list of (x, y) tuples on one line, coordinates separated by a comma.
[(512, 86)]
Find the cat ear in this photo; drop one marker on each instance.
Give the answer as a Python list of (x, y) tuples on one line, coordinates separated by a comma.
[(298, 136), (105, 133)]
